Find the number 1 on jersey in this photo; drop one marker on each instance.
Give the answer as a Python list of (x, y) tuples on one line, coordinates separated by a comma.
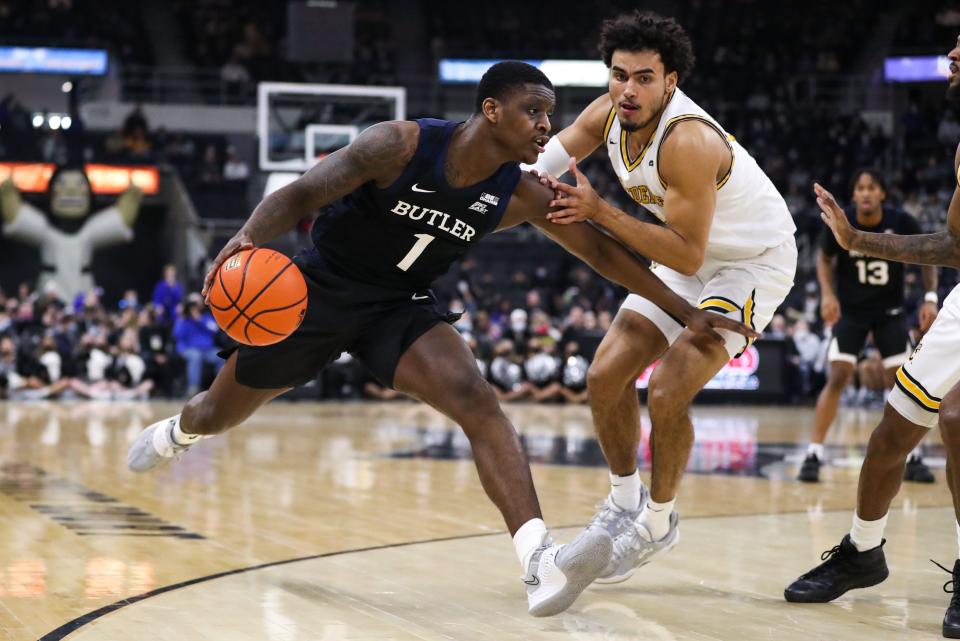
[(422, 241)]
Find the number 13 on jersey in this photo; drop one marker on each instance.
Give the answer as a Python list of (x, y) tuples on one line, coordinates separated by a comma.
[(875, 272), (422, 241)]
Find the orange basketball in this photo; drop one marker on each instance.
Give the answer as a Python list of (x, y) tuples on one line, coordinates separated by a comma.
[(258, 297)]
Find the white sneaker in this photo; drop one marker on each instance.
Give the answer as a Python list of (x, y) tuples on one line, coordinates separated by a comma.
[(155, 445), (557, 574), (635, 548)]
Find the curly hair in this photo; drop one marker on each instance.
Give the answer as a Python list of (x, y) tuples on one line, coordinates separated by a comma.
[(644, 30)]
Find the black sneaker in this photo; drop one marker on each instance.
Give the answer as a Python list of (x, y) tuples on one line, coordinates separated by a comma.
[(951, 620), (917, 471), (843, 568), (810, 470)]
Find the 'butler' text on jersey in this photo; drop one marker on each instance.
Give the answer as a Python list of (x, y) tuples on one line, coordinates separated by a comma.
[(406, 235), (438, 219)]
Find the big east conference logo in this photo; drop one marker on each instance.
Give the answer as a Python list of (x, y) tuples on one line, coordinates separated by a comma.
[(738, 374)]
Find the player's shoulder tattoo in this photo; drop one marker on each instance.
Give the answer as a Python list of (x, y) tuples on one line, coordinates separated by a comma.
[(386, 143)]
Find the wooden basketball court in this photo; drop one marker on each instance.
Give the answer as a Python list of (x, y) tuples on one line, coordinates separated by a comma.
[(361, 521)]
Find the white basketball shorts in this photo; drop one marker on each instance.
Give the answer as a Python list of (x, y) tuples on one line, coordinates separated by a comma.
[(748, 290), (933, 368)]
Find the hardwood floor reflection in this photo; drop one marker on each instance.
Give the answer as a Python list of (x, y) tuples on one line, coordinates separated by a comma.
[(329, 481)]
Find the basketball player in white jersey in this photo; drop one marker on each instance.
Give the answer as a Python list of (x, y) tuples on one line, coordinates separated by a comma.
[(726, 245)]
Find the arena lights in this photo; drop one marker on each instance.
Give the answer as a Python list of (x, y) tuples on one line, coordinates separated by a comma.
[(104, 179), (59, 121), (113, 179), (27, 176), (562, 73), (52, 120), (74, 62), (916, 68)]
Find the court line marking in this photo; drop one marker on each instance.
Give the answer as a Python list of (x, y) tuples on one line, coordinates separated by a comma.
[(72, 626)]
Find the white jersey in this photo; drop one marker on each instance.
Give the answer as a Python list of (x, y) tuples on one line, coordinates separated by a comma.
[(751, 215)]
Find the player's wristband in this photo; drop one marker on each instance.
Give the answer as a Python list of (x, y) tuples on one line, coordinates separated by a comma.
[(931, 297), (555, 159)]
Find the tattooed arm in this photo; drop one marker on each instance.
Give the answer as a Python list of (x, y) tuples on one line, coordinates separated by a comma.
[(941, 248), (379, 154)]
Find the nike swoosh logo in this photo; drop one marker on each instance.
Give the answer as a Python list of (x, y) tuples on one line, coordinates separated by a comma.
[(536, 581), (421, 191), (415, 297)]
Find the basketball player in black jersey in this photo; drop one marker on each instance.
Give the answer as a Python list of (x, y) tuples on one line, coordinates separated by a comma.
[(868, 299), (407, 199)]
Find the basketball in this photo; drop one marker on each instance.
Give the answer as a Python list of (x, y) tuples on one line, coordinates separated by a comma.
[(258, 297)]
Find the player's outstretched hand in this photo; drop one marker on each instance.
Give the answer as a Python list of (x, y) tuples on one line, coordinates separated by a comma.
[(236, 244), (829, 309), (708, 323), (833, 215), (577, 202)]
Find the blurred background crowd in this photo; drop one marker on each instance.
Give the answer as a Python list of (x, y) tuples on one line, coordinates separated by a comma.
[(792, 82)]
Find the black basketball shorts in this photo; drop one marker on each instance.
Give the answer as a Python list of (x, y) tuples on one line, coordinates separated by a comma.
[(375, 324), (889, 335)]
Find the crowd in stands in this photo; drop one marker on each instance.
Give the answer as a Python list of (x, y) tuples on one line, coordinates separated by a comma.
[(211, 168), (247, 43), (534, 327), (738, 44), (83, 348), (924, 22), (220, 33), (533, 331), (169, 345)]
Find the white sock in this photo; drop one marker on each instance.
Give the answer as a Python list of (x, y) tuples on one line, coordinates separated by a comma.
[(958, 540), (815, 448), (866, 535), (527, 539), (916, 453), (626, 490), (182, 438), (656, 517)]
